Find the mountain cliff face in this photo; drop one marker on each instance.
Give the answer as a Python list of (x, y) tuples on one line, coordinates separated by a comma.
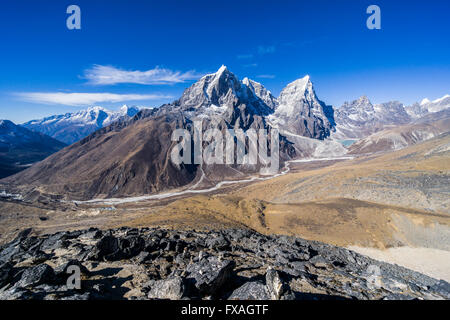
[(72, 127), (300, 112), (261, 92), (20, 147)]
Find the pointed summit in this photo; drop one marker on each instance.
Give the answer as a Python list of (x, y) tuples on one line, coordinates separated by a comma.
[(213, 89), (364, 99), (300, 112), (129, 111), (261, 92), (222, 69), (297, 90)]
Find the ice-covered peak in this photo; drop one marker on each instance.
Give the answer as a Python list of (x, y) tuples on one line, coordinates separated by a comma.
[(425, 101), (222, 69), (126, 110), (217, 89), (71, 127), (363, 99), (441, 99), (261, 92), (96, 109), (297, 90), (300, 112)]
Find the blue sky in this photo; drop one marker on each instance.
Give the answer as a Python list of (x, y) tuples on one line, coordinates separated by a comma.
[(168, 44)]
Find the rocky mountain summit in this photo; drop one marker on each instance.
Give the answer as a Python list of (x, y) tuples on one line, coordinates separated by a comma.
[(236, 264), (300, 112)]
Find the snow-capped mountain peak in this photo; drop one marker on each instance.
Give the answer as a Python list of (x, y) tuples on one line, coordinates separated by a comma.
[(300, 112), (425, 101), (441, 99), (297, 90), (215, 89), (221, 92), (418, 110), (222, 69), (71, 127), (261, 92), (130, 111)]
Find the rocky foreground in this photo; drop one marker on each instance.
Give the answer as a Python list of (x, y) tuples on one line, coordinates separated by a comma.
[(165, 264)]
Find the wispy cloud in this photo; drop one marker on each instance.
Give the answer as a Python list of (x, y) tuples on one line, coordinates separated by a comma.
[(245, 56), (109, 75), (83, 99), (266, 49), (266, 76), (250, 65)]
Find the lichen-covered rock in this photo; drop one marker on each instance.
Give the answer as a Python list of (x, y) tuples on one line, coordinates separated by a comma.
[(34, 276), (168, 289), (253, 290)]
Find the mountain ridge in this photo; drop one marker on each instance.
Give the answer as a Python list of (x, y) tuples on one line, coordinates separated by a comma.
[(73, 126), (20, 147)]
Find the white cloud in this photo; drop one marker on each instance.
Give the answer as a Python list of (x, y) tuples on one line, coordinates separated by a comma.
[(266, 50), (83, 99), (108, 75), (266, 76), (245, 56)]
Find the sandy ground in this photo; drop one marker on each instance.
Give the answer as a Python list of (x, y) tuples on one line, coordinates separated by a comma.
[(432, 262)]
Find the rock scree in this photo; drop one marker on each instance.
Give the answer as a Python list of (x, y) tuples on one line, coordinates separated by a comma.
[(235, 264)]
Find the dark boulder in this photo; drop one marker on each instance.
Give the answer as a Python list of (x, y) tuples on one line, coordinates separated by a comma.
[(218, 242), (209, 274), (253, 290), (34, 276), (277, 288), (172, 288), (5, 273)]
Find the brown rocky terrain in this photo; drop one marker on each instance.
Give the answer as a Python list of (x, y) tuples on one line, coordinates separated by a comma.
[(233, 264)]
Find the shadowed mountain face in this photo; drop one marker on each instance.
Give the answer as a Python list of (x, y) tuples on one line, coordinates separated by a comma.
[(121, 159), (20, 147)]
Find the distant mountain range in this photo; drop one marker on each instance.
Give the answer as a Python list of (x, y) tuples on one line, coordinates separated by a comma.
[(398, 137), (418, 110), (128, 153), (20, 147), (360, 118), (72, 127)]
